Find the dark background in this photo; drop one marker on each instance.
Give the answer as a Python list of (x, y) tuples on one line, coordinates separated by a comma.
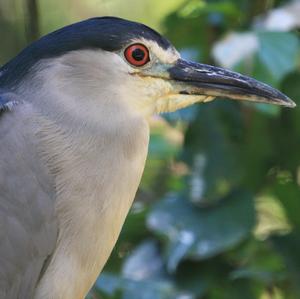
[(218, 212)]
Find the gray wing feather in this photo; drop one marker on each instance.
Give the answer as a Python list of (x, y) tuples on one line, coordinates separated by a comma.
[(28, 228), (7, 101)]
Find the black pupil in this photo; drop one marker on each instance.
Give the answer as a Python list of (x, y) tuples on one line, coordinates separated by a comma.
[(138, 54)]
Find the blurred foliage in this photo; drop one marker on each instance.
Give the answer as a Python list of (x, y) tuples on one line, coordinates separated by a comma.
[(217, 214), (221, 210)]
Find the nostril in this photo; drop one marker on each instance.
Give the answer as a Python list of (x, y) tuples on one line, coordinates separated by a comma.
[(184, 92)]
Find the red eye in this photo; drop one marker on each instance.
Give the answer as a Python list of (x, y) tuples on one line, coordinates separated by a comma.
[(137, 54)]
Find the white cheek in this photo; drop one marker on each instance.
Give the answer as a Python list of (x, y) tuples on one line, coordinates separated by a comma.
[(142, 93), (81, 84)]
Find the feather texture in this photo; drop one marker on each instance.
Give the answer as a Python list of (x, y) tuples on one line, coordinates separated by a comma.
[(28, 227)]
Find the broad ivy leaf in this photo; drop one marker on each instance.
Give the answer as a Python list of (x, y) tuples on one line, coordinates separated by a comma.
[(110, 284), (145, 262), (211, 153), (143, 277), (202, 232)]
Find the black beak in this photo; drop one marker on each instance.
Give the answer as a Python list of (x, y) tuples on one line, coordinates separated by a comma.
[(201, 79)]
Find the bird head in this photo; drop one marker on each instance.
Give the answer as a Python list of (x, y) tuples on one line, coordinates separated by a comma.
[(110, 59)]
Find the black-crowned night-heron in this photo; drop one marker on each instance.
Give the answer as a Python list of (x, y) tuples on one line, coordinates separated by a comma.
[(74, 137)]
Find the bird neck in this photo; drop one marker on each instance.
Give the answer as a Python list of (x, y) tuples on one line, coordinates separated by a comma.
[(97, 164), (97, 175)]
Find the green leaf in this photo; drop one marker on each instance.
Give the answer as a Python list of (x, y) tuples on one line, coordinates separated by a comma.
[(290, 86), (149, 290), (289, 196), (143, 276), (144, 262), (196, 277), (202, 232), (110, 284), (242, 288), (248, 273), (279, 52), (289, 247), (210, 151)]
